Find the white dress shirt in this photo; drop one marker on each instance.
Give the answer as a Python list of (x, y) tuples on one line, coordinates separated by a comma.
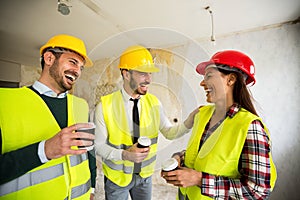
[(108, 152)]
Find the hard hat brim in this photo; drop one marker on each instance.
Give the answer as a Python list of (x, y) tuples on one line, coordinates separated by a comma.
[(144, 68), (200, 69), (202, 66), (88, 61)]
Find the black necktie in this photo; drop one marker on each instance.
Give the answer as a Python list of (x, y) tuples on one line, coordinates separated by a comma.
[(136, 130), (136, 120)]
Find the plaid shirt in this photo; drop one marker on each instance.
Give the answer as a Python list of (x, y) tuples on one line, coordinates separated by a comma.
[(254, 167)]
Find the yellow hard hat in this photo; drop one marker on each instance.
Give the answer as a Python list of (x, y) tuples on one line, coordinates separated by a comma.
[(137, 58), (68, 42)]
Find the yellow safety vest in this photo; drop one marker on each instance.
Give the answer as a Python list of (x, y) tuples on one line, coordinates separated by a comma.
[(119, 136), (25, 119), (221, 152)]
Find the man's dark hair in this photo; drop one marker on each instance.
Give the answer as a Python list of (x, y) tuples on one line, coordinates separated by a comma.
[(57, 52)]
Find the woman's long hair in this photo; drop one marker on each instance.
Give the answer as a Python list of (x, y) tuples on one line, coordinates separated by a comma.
[(241, 94)]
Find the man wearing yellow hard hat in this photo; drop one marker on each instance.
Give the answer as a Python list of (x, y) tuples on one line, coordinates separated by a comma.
[(39, 155), (124, 116)]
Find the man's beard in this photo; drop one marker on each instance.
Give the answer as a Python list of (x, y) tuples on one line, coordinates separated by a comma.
[(134, 86), (54, 73)]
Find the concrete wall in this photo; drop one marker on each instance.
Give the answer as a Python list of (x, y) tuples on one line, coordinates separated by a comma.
[(9, 71), (275, 51)]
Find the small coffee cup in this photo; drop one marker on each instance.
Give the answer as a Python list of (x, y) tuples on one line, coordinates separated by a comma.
[(169, 165), (143, 142), (90, 130)]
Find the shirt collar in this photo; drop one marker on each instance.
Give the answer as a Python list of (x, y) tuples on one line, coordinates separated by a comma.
[(126, 96), (45, 90), (233, 110)]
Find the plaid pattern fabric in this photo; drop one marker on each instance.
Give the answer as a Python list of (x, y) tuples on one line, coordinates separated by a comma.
[(254, 166)]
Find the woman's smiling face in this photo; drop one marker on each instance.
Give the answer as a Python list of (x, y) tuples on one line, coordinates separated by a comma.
[(214, 84)]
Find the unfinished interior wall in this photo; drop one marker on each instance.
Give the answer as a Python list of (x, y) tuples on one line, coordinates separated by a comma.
[(275, 51)]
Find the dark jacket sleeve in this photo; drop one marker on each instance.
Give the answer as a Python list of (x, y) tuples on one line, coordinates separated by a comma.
[(18, 162), (93, 167)]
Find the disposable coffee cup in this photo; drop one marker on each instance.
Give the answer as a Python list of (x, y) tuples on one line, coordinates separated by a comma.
[(169, 165), (90, 130), (143, 142)]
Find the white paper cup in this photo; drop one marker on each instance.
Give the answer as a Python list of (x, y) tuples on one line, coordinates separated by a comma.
[(169, 165), (143, 142)]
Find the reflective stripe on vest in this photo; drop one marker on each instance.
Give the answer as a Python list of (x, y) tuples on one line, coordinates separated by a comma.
[(128, 169), (39, 176), (80, 189), (149, 161), (32, 178), (112, 165), (77, 159)]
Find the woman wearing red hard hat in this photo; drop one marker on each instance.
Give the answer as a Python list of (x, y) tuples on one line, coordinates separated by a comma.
[(229, 152)]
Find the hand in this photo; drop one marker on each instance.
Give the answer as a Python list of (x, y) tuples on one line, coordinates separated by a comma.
[(92, 196), (189, 122), (60, 144), (183, 177), (179, 156), (135, 154)]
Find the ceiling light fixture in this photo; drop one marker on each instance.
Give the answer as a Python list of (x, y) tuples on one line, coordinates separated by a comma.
[(63, 8), (212, 37)]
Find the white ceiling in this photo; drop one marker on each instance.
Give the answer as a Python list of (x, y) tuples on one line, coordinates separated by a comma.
[(25, 25)]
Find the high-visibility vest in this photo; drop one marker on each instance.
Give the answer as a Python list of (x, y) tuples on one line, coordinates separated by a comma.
[(25, 119), (220, 153), (119, 136)]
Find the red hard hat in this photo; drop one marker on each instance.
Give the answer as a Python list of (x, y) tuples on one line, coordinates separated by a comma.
[(235, 60)]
